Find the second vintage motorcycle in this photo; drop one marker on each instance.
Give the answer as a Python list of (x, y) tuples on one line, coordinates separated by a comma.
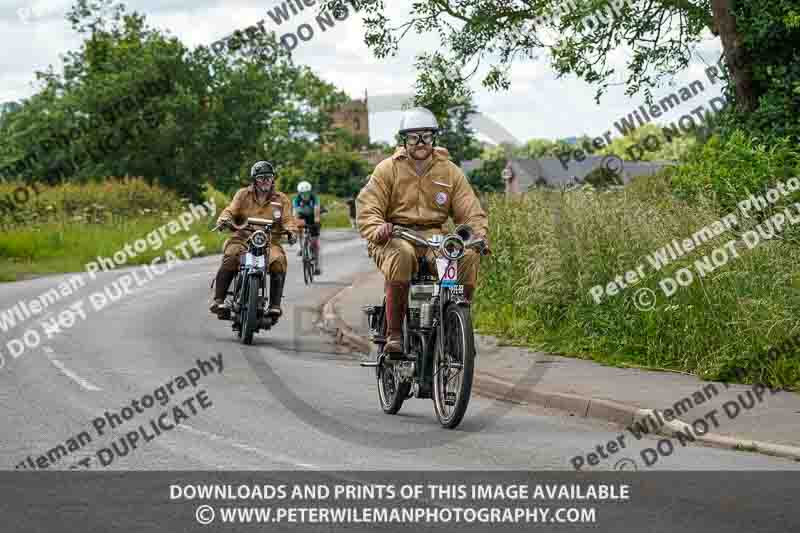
[(248, 300)]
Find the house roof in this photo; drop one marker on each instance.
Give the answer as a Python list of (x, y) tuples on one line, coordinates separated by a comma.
[(529, 171)]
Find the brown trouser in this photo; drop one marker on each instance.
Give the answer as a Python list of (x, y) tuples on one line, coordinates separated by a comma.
[(234, 247), (397, 259)]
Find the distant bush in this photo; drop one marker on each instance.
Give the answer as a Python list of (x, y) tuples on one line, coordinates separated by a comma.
[(93, 202), (729, 169), (488, 177)]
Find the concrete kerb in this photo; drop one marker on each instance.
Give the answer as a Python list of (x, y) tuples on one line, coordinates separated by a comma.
[(491, 386), (334, 324), (669, 429)]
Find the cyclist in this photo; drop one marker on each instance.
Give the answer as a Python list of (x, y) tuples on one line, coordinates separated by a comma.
[(306, 209)]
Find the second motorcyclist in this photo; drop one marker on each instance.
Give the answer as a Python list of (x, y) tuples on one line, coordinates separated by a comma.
[(259, 200)]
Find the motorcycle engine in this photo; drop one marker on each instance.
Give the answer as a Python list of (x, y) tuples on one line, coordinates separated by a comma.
[(419, 301)]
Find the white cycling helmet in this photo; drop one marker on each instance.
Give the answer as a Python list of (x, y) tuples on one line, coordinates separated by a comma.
[(303, 186), (418, 119)]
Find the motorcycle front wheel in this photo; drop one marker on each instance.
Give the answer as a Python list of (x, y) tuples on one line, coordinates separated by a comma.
[(454, 366), (251, 311)]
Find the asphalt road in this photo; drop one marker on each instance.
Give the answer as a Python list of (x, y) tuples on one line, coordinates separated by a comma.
[(291, 401)]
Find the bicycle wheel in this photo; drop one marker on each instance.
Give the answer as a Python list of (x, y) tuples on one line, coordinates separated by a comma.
[(453, 366), (308, 267)]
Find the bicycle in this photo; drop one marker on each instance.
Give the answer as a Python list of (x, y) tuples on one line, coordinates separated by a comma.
[(309, 264)]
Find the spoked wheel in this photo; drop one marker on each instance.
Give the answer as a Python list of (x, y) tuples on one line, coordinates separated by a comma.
[(250, 311), (308, 268), (391, 391), (453, 368), (309, 272)]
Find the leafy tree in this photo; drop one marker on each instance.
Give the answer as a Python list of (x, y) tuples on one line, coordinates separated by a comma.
[(536, 148), (673, 149), (133, 101), (488, 177), (344, 139), (759, 40), (338, 172), (452, 104)]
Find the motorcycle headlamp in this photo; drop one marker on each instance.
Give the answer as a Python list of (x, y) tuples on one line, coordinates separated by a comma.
[(453, 247), (259, 239)]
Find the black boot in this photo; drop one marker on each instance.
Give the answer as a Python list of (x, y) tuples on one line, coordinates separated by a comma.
[(276, 281), (223, 281)]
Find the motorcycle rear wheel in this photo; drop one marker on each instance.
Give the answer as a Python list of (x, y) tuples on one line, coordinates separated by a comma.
[(391, 391), (453, 369), (250, 322)]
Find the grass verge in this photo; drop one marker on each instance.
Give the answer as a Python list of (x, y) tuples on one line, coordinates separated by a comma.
[(550, 249)]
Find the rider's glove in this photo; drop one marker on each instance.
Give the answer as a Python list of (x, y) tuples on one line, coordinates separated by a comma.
[(486, 249), (384, 232)]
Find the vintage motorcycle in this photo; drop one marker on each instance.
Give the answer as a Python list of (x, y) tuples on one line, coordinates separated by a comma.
[(248, 300), (438, 340)]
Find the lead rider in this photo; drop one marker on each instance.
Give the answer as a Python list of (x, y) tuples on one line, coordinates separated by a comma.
[(420, 188)]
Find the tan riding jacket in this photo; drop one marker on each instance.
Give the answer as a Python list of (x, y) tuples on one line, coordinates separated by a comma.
[(396, 194), (277, 208)]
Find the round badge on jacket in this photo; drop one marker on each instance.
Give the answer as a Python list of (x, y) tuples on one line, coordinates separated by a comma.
[(441, 198)]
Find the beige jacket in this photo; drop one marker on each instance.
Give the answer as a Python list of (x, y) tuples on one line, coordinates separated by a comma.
[(277, 207), (396, 194)]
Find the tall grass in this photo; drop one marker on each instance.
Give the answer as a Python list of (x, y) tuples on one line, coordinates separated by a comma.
[(550, 249)]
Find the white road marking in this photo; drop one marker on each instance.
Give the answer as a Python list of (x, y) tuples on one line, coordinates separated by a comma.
[(276, 457), (67, 372)]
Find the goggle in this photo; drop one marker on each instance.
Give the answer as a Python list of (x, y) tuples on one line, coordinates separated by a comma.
[(265, 177), (415, 138)]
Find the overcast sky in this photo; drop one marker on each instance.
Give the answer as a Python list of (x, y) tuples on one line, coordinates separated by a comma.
[(537, 105)]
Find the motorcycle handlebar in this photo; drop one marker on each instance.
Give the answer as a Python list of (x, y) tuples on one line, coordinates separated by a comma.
[(414, 237), (232, 226)]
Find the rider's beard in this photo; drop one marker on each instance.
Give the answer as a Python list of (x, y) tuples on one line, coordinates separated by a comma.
[(421, 152), (265, 189)]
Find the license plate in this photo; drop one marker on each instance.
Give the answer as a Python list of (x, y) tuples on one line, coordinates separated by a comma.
[(448, 271)]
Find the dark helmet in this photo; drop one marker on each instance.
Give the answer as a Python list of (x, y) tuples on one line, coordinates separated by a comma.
[(261, 168)]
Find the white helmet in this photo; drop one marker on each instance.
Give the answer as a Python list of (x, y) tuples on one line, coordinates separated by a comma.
[(303, 186), (418, 118)]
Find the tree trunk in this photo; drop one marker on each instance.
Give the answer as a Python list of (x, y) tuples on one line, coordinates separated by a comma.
[(737, 58)]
